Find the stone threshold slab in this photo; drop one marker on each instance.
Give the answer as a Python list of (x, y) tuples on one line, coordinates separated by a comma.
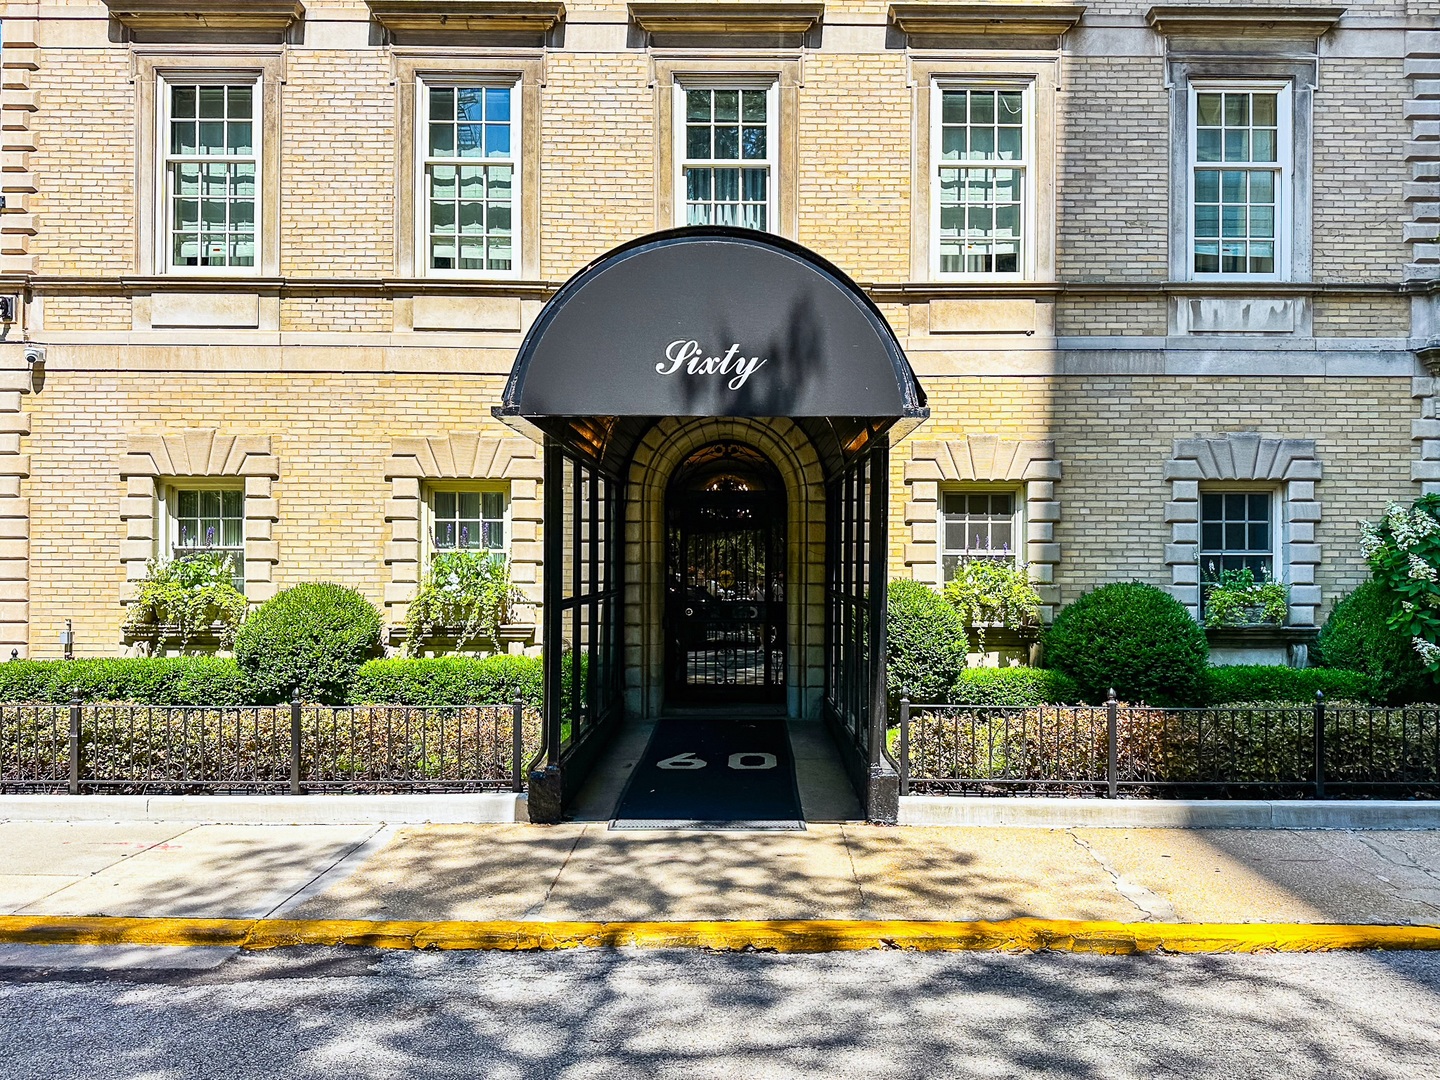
[(479, 808), (1061, 813)]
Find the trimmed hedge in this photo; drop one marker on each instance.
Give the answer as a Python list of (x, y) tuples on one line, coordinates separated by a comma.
[(1022, 686), (1135, 638), (179, 680), (926, 644), (1267, 682), (1357, 637), (450, 680), (311, 637)]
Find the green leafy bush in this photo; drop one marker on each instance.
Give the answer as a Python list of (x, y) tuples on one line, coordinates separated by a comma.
[(184, 596), (1403, 550), (179, 680), (1358, 636), (1235, 598), (993, 592), (310, 637), (1013, 686), (451, 680), (1133, 637), (468, 591), (1275, 682), (926, 644)]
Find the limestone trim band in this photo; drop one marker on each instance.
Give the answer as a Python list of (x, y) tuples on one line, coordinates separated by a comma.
[(779, 935), (1245, 456)]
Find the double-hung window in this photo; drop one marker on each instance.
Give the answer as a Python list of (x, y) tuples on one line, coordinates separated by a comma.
[(470, 178), (1237, 533), (470, 521), (726, 156), (212, 175), (982, 173), (980, 524), (1239, 179), (208, 521)]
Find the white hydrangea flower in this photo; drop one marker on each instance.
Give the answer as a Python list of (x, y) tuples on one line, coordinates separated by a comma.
[(1429, 652), (1420, 570)]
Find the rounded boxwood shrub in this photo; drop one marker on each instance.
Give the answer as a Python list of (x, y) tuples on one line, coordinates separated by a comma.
[(926, 651), (1020, 686), (1135, 638), (311, 637), (1357, 637), (1276, 682)]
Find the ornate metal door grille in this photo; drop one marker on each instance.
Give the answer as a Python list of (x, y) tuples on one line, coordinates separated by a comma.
[(725, 579)]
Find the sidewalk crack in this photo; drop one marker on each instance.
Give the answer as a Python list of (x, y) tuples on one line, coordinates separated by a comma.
[(1154, 907), (539, 905), (855, 874)]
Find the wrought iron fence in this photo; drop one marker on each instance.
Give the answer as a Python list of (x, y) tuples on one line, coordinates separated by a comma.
[(1280, 750), (291, 748)]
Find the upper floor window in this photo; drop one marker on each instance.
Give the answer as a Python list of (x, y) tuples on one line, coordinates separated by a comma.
[(726, 156), (212, 175), (1239, 179), (470, 178), (982, 165), (980, 524)]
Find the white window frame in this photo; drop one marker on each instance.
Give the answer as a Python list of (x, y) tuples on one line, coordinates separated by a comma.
[(1027, 167), (771, 86), (428, 546), (1285, 164), (511, 81), (169, 512), (163, 194), (1279, 564), (1017, 521)]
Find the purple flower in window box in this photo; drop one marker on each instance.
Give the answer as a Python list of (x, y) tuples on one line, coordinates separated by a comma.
[(464, 536)]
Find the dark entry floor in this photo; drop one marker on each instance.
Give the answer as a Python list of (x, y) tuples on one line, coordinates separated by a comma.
[(826, 793), (713, 773)]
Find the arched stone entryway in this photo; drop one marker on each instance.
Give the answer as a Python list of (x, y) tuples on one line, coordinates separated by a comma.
[(663, 448)]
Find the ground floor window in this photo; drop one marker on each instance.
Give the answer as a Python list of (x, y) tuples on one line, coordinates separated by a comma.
[(207, 521), (977, 524), (1236, 533), (474, 520)]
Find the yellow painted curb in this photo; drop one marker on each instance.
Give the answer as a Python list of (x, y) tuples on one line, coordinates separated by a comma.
[(788, 936)]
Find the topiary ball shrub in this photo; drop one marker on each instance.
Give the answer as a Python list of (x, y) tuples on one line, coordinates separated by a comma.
[(1135, 638), (1357, 637), (312, 638), (926, 649)]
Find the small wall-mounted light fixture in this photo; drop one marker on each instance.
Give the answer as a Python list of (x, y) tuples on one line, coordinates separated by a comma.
[(67, 640), (35, 358)]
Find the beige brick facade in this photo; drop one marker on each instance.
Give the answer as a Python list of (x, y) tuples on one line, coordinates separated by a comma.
[(350, 367)]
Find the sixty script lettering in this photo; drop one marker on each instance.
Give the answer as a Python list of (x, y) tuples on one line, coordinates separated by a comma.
[(686, 355)]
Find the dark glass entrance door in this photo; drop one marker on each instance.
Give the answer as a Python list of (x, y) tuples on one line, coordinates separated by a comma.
[(725, 579)]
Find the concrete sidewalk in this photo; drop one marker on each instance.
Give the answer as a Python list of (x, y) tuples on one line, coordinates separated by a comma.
[(839, 871)]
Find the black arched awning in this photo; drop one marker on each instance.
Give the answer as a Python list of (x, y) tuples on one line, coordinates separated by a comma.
[(711, 321)]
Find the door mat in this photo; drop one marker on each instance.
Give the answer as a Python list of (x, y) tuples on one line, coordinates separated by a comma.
[(713, 774)]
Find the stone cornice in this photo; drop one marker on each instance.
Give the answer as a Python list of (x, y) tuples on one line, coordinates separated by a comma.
[(965, 18), (267, 16), (1243, 20), (737, 18), (498, 16)]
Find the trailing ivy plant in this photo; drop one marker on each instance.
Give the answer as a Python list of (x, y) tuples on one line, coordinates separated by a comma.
[(185, 595), (993, 592), (468, 591), (1403, 550), (1235, 598)]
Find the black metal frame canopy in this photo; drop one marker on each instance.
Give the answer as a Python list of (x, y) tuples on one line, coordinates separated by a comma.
[(703, 322)]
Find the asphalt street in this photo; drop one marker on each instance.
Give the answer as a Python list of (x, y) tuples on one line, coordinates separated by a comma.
[(655, 1014)]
